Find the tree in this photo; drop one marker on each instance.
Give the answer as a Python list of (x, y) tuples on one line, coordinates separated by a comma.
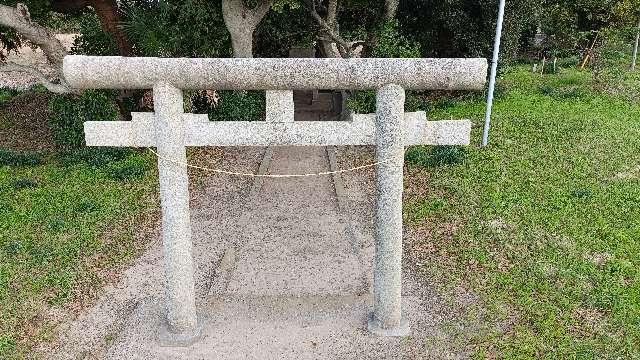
[(241, 21), (19, 19), (390, 9), (109, 15), (329, 34)]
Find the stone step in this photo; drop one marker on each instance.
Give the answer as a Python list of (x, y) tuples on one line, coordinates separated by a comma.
[(297, 309)]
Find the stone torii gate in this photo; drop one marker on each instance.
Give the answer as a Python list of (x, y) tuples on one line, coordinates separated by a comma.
[(170, 130)]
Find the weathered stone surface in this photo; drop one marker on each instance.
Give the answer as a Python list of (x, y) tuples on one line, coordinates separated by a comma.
[(387, 280), (273, 74), (279, 106), (200, 132), (176, 226)]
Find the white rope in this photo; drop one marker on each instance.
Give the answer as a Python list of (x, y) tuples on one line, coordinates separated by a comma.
[(235, 173)]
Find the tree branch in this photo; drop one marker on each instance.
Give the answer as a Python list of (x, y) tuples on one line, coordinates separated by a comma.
[(343, 46), (61, 88), (260, 11), (19, 19)]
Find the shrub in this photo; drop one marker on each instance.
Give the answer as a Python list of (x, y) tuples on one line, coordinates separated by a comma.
[(94, 156), (389, 44), (6, 95), (69, 112), (171, 28), (18, 158), (92, 39), (236, 106), (466, 28), (24, 183)]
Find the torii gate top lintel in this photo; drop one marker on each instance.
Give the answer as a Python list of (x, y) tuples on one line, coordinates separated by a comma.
[(115, 72)]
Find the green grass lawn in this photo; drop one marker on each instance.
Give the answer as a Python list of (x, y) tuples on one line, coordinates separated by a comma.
[(546, 219), (63, 223)]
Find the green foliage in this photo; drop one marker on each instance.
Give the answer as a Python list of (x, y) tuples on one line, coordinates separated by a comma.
[(9, 157), (390, 43), (39, 10), (69, 112), (573, 24), (6, 95), (171, 28), (92, 40), (237, 106), (284, 27), (9, 42), (131, 167), (362, 101), (464, 28), (282, 5), (93, 156)]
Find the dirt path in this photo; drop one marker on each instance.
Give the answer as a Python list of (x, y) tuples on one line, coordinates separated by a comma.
[(283, 271)]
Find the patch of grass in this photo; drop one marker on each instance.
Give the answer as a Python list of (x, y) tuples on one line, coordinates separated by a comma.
[(424, 156), (547, 227), (132, 167), (61, 225), (6, 95)]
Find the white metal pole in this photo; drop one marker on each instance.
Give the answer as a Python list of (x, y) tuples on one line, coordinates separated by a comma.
[(635, 48), (494, 69)]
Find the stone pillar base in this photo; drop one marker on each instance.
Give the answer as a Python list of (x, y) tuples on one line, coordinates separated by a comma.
[(374, 327), (167, 338)]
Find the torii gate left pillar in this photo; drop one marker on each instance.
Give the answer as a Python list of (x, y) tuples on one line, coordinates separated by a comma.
[(182, 324)]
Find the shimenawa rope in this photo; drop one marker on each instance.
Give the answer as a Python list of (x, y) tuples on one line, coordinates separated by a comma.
[(236, 173)]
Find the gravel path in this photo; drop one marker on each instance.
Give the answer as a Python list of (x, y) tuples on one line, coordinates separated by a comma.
[(283, 272)]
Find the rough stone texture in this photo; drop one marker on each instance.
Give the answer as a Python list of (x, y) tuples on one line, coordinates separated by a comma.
[(387, 273), (274, 74), (176, 225), (279, 106), (200, 132)]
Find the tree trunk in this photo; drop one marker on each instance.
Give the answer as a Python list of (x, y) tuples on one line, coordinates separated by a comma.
[(390, 9), (107, 11), (242, 42), (241, 22)]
